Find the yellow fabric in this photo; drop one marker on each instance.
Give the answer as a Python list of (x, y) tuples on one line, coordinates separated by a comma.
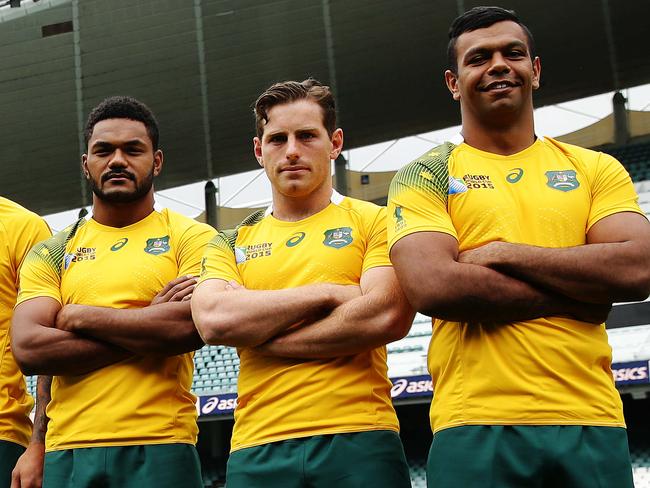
[(20, 229), (142, 400), (281, 398), (551, 370)]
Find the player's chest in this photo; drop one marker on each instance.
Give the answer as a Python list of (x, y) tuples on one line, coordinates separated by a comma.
[(526, 202), (122, 268), (292, 256)]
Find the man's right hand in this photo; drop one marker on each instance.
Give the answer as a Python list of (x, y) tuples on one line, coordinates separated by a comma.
[(28, 472), (177, 290)]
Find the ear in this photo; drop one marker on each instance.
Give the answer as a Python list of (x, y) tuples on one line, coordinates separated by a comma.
[(257, 149), (84, 166), (451, 80), (337, 143), (157, 162), (537, 72)]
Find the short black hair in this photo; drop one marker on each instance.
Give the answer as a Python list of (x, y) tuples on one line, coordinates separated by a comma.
[(123, 107), (479, 18)]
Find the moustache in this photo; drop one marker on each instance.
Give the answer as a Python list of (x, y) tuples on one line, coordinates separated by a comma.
[(118, 174)]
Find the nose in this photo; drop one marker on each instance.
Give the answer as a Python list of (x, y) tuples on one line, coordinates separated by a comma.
[(498, 65), (293, 152), (117, 160)]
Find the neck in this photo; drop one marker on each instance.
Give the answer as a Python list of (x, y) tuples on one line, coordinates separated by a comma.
[(119, 215), (293, 209), (506, 138)]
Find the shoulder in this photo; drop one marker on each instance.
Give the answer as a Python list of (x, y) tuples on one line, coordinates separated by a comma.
[(355, 205), (52, 250), (226, 239), (179, 223), (576, 152), (13, 215), (429, 172)]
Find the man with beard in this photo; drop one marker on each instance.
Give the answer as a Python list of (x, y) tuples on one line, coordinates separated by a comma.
[(517, 245), (20, 229), (104, 309)]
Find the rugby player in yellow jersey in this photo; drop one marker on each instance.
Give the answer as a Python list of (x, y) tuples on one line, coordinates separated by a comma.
[(104, 309), (20, 229), (517, 246), (306, 293)]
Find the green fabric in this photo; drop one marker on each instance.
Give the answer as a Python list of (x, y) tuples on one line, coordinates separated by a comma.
[(357, 460), (150, 466), (9, 454), (504, 456)]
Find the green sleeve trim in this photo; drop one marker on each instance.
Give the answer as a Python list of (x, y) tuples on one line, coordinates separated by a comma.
[(52, 250), (428, 173)]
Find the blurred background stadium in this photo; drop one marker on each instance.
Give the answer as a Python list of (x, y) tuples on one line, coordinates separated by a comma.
[(200, 64)]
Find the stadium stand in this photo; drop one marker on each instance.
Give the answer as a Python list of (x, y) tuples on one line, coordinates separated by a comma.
[(635, 158)]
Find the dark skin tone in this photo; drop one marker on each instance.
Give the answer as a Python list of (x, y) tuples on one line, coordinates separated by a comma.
[(48, 339), (505, 282)]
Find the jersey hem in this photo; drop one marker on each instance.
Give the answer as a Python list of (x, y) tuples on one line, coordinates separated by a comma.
[(613, 212), (119, 444), (13, 440), (540, 422), (311, 434)]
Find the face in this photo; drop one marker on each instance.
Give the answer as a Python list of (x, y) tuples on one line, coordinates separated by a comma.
[(121, 163), (496, 76), (296, 150)]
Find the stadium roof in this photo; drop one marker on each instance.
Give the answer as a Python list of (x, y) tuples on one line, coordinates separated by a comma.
[(200, 64)]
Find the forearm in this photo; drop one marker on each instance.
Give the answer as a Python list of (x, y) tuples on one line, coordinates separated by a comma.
[(247, 318), (356, 326), (471, 293), (53, 352), (43, 397), (165, 328), (595, 273)]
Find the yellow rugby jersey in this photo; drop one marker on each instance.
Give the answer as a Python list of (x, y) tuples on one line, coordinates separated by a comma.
[(20, 229), (550, 370), (144, 399), (283, 398)]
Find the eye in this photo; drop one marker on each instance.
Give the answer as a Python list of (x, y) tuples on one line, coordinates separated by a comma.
[(277, 139), (516, 53), (307, 136)]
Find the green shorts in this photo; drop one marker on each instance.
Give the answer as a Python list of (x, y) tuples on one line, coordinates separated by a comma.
[(149, 466), (509, 456), (9, 454), (356, 460)]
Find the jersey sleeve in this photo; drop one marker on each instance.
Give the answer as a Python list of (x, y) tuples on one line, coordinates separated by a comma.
[(191, 248), (31, 230), (219, 259), (612, 190), (40, 274), (417, 199), (376, 246)]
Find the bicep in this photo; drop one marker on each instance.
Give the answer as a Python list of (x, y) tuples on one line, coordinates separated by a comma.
[(33, 313), (621, 227)]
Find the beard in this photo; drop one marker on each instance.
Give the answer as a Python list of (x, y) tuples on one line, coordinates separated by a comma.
[(141, 189)]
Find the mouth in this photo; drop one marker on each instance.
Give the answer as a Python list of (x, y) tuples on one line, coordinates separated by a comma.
[(499, 85), (294, 169), (117, 177)]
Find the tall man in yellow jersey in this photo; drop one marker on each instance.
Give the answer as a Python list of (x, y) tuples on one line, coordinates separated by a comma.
[(306, 293), (20, 229), (104, 308), (517, 246)]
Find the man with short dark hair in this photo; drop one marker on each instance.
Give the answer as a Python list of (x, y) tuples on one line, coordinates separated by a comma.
[(104, 308), (20, 229), (517, 246), (306, 293)]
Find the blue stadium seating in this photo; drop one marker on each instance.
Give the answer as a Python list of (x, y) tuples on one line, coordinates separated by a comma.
[(635, 158)]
